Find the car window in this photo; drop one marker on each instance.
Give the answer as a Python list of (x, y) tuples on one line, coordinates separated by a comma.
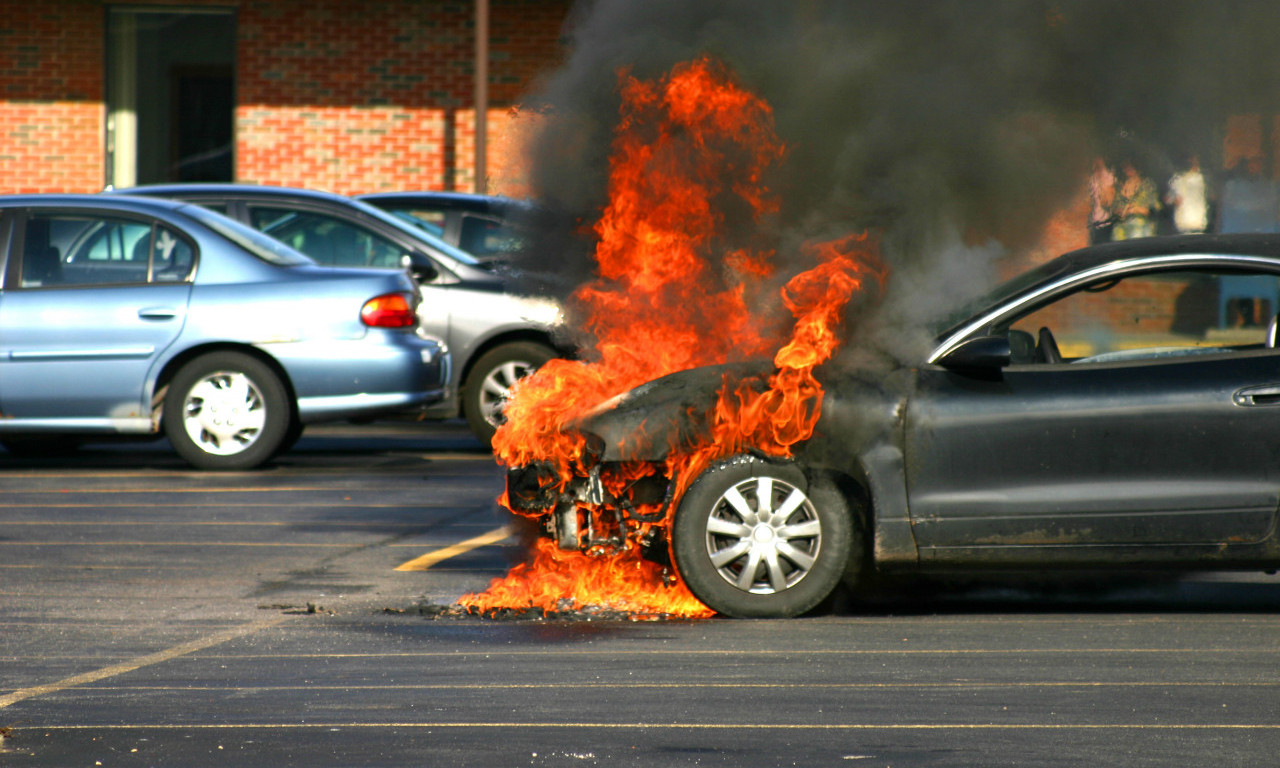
[(261, 246), (963, 312), (87, 249), (484, 236), (172, 257), (1152, 315), (418, 233), (423, 218), (327, 239)]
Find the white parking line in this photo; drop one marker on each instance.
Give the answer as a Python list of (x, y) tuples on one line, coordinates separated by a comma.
[(142, 661), (462, 547)]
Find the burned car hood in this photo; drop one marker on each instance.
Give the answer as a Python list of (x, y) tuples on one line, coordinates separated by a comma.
[(646, 423)]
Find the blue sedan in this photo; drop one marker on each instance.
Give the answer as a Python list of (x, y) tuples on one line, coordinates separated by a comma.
[(124, 316)]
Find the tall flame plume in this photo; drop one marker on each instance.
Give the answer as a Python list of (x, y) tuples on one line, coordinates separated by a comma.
[(668, 298)]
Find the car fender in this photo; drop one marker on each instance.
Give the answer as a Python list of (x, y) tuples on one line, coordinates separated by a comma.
[(860, 437)]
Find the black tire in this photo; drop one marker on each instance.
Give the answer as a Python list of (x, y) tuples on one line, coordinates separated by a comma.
[(810, 545), (291, 436), (491, 377), (226, 410)]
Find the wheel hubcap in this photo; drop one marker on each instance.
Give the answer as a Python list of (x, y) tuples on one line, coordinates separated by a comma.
[(224, 413), (763, 535), (496, 388)]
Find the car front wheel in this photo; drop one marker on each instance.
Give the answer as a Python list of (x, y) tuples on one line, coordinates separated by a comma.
[(755, 538), (489, 383), (226, 410)]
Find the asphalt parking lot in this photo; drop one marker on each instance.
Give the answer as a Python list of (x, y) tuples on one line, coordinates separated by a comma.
[(152, 615)]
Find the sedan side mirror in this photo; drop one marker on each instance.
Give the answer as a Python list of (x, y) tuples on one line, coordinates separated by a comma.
[(423, 269), (983, 353)]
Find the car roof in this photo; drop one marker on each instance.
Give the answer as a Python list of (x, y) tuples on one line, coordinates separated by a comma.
[(1266, 245), (230, 188), (1102, 254), (462, 200), (259, 192), (88, 199)]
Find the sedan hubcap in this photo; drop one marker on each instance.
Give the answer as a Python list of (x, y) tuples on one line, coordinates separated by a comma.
[(224, 413), (763, 535), (496, 388)]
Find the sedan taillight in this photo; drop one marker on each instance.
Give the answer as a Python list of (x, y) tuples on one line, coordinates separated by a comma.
[(390, 310)]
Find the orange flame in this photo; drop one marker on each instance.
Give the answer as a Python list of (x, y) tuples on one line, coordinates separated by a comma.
[(787, 411), (652, 309), (554, 579), (687, 145)]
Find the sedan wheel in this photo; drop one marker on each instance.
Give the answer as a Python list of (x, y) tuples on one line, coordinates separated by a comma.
[(226, 411), (755, 538), (489, 384)]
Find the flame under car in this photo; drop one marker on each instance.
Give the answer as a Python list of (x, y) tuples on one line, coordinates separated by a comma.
[(1115, 408)]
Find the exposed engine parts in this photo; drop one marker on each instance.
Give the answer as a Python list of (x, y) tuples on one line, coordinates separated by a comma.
[(614, 507)]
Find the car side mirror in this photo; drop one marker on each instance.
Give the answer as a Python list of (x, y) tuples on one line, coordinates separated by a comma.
[(983, 353), (423, 269)]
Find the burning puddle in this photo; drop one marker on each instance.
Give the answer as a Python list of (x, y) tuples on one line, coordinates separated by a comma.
[(673, 292)]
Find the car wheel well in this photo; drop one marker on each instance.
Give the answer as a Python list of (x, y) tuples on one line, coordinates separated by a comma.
[(855, 491), (176, 364), (509, 338), (858, 579), (483, 390)]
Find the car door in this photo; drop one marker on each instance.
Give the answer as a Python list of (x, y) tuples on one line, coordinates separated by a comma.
[(89, 306), (1158, 426)]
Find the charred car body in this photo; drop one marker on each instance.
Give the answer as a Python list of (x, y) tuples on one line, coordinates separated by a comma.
[(1116, 407)]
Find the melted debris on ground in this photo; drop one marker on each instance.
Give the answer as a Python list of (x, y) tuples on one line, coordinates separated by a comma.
[(565, 611)]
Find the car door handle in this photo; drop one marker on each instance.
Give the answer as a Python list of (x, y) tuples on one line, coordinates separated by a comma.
[(1267, 394), (157, 313)]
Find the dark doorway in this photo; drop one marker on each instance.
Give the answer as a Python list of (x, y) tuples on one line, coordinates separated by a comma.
[(170, 95), (200, 147)]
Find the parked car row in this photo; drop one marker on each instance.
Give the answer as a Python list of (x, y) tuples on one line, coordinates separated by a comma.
[(135, 317), (1112, 407), (497, 330), (234, 293)]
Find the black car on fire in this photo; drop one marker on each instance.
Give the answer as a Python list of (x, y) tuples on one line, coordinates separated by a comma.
[(1117, 407)]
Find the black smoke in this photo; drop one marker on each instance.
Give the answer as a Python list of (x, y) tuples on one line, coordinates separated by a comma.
[(951, 128)]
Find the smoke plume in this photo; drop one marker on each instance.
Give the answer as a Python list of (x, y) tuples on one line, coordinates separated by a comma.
[(952, 129)]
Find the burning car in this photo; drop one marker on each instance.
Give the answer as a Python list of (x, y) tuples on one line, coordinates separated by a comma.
[(1116, 407)]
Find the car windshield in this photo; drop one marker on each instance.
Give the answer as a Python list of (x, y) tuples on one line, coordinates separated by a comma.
[(420, 234), (266, 248), (952, 321), (417, 221)]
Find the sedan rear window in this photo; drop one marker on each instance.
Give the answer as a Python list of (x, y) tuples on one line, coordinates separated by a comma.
[(266, 248)]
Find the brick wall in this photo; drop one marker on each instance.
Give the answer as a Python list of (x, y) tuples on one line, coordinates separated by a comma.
[(51, 113), (356, 97), (342, 95)]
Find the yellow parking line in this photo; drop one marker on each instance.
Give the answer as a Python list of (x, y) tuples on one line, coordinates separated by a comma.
[(462, 547), (675, 726)]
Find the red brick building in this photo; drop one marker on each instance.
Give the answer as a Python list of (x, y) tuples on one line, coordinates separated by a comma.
[(344, 95)]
